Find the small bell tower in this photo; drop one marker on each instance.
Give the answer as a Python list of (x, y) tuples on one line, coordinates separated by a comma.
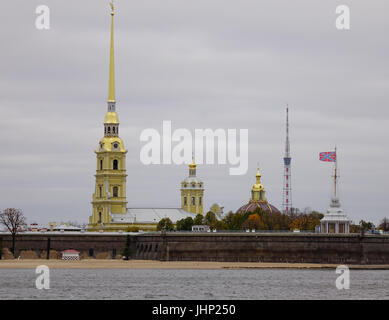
[(192, 192)]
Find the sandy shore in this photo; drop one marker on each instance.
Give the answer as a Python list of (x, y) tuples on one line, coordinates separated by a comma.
[(151, 264)]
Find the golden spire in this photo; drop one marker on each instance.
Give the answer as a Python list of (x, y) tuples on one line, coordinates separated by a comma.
[(258, 176), (111, 86)]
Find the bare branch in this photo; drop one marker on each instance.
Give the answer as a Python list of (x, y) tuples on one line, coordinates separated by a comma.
[(13, 219)]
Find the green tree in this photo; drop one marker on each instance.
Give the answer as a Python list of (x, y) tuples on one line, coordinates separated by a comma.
[(185, 224), (166, 224), (220, 225), (228, 220), (234, 221), (210, 219), (198, 220), (366, 226), (127, 251)]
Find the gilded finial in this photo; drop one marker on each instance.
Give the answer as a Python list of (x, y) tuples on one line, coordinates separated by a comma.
[(258, 172), (112, 7)]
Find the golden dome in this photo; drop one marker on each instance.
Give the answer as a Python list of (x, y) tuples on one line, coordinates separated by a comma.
[(111, 117), (192, 165), (258, 199)]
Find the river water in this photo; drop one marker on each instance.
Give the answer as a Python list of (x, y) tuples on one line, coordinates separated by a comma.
[(193, 284)]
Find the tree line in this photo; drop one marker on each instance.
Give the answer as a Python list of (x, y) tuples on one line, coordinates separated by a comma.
[(257, 220), (262, 220)]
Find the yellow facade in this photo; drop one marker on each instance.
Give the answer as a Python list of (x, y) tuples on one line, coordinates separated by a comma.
[(192, 192)]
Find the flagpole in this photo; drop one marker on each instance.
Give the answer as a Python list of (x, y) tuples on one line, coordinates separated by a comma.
[(336, 169)]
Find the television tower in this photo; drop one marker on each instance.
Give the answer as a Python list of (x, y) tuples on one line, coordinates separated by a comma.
[(287, 190)]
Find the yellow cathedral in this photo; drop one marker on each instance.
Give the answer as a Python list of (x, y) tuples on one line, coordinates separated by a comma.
[(109, 203)]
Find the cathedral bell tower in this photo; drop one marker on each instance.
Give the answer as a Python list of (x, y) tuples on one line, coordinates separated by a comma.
[(192, 192), (109, 197)]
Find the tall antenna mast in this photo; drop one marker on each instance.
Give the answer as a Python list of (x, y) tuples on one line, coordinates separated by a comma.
[(336, 172), (287, 189)]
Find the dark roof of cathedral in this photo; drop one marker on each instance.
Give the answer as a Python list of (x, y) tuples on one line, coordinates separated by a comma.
[(263, 205)]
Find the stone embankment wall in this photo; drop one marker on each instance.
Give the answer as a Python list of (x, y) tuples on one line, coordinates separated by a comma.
[(176, 246), (292, 248), (30, 246)]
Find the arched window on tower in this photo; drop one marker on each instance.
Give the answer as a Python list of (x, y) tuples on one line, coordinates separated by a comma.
[(115, 164), (99, 217), (101, 164), (185, 201), (200, 201), (193, 201), (115, 192), (113, 129), (109, 129)]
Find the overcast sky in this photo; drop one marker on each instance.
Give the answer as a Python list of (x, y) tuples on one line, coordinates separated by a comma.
[(201, 64)]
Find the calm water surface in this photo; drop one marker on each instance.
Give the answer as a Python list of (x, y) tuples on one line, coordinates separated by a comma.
[(193, 284)]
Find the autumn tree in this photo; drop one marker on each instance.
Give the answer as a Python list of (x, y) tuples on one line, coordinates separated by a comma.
[(14, 220), (301, 222), (384, 225), (253, 222), (306, 221)]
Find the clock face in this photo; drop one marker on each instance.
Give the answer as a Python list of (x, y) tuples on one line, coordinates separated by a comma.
[(115, 145)]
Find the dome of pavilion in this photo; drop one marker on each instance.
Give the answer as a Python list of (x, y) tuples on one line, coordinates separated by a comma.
[(258, 199)]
